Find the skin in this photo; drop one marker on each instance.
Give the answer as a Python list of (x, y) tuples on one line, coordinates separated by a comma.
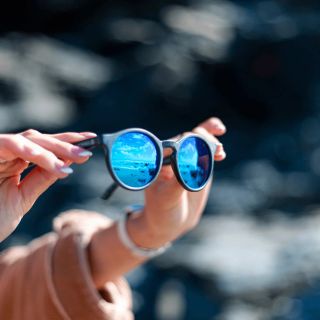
[(51, 154), (170, 211)]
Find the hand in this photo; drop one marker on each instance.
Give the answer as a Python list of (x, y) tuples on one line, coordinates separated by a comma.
[(170, 210), (51, 153)]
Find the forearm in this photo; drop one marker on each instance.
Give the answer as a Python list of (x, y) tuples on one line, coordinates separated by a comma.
[(110, 259), (170, 211)]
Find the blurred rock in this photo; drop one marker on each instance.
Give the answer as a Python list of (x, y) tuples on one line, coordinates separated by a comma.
[(241, 258), (41, 71)]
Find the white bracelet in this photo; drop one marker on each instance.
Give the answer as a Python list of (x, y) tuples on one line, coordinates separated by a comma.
[(129, 244)]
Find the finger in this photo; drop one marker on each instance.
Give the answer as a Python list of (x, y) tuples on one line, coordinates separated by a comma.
[(124, 291), (61, 149), (34, 185), (220, 153), (17, 146), (167, 185), (166, 173), (72, 137), (167, 152), (12, 168), (116, 297), (214, 126), (114, 293)]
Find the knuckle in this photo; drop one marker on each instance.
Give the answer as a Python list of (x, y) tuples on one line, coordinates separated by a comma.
[(196, 129), (214, 120), (200, 130), (5, 140), (15, 142), (11, 141), (30, 152), (30, 132)]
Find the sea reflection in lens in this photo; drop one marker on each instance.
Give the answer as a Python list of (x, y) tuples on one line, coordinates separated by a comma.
[(194, 162), (135, 159)]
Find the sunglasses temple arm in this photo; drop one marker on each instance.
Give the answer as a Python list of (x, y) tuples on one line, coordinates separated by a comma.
[(85, 144), (109, 192), (88, 144)]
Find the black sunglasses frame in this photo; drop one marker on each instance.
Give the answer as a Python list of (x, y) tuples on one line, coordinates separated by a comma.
[(107, 140)]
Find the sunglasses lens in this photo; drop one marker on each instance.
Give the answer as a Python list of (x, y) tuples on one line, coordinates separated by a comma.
[(194, 162), (135, 159)]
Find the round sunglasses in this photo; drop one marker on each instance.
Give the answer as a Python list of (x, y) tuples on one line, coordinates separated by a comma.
[(134, 158)]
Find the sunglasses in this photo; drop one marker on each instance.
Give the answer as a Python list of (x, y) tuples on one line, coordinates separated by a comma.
[(134, 158)]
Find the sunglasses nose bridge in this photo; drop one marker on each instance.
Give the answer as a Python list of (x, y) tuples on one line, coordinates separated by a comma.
[(168, 144)]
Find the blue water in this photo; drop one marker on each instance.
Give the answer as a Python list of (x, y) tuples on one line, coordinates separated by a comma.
[(135, 159), (194, 162), (134, 173)]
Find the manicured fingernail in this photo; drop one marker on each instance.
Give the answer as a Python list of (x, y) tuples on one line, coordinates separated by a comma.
[(88, 134), (66, 170), (85, 153)]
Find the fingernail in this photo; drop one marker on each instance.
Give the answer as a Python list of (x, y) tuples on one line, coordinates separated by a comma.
[(85, 153), (88, 134), (66, 170)]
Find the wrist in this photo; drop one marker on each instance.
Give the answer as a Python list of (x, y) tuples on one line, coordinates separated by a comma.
[(144, 235)]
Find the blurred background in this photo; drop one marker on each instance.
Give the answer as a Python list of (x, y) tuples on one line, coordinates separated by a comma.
[(166, 65)]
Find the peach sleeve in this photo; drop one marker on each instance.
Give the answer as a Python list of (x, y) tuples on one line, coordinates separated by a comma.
[(50, 278)]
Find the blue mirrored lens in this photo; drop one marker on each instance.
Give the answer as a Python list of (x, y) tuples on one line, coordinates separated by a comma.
[(194, 162), (135, 159)]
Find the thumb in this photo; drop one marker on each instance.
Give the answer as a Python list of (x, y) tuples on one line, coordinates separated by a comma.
[(33, 185)]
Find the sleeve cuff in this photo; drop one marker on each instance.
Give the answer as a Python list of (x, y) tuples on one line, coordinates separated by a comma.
[(73, 284)]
